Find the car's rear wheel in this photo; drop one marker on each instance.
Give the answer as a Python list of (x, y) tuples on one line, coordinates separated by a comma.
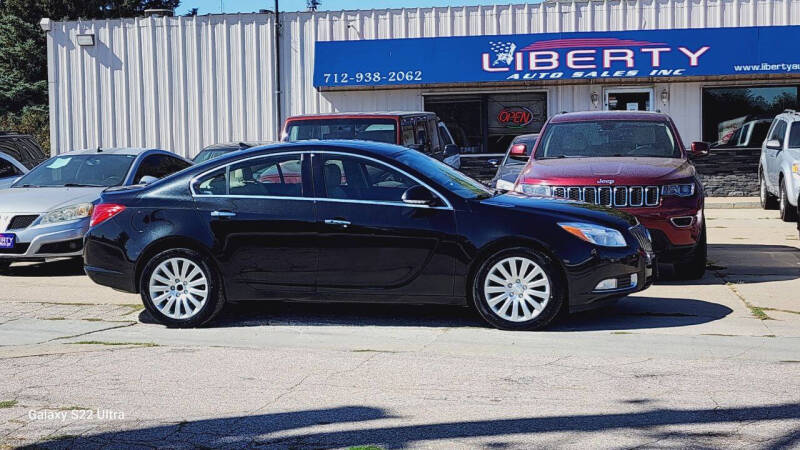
[(788, 213), (518, 289), (180, 288), (768, 201), (694, 267)]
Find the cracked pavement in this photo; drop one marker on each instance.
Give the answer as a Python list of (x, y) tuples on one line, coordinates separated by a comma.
[(683, 364)]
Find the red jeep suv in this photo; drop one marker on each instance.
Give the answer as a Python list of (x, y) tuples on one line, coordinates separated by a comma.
[(631, 160)]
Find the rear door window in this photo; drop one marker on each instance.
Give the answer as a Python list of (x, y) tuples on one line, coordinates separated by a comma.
[(8, 170), (273, 176)]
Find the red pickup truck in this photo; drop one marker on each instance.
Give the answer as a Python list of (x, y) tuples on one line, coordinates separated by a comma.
[(631, 160)]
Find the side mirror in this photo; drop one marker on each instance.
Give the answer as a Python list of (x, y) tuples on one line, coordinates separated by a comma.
[(147, 179), (419, 195), (451, 150), (518, 152), (774, 144), (699, 149)]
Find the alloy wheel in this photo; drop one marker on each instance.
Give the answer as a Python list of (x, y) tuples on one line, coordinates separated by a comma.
[(178, 288), (516, 289)]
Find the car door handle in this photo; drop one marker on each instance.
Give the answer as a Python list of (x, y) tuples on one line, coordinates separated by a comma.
[(223, 214), (341, 223)]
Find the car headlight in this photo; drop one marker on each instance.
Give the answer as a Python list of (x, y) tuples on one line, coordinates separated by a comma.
[(595, 234), (536, 189), (67, 213), (504, 185), (678, 190)]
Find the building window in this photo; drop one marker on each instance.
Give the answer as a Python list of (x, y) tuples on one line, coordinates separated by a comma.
[(740, 116), (488, 123)]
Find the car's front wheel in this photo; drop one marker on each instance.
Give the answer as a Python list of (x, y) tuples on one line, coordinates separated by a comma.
[(788, 213), (768, 201), (180, 288), (518, 289)]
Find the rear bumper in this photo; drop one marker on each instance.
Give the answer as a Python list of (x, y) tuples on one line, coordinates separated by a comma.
[(116, 280)]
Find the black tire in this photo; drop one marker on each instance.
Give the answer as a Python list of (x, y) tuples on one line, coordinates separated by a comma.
[(215, 299), (552, 306), (788, 213), (694, 267), (768, 201)]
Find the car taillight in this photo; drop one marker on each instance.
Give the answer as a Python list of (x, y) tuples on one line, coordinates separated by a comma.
[(103, 212)]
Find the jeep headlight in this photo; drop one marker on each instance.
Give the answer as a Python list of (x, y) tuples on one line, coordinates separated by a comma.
[(678, 190), (535, 189), (504, 185), (595, 234), (67, 213)]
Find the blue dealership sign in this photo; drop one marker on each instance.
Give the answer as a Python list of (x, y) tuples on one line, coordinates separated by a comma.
[(558, 56)]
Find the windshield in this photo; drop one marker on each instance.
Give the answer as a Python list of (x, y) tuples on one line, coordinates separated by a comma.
[(96, 170), (608, 138), (444, 175), (379, 130), (205, 155)]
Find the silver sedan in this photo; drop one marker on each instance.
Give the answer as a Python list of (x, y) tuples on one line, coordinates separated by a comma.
[(46, 213)]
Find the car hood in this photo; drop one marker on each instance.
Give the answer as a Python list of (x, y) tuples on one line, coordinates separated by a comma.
[(43, 199), (570, 210), (598, 171)]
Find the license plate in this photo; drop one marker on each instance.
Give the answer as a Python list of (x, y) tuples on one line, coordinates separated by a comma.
[(7, 240)]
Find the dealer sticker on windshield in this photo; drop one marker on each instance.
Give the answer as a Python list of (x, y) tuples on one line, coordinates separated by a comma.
[(7, 240)]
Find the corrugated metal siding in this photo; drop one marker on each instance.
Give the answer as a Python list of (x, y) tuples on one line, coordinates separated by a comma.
[(185, 82)]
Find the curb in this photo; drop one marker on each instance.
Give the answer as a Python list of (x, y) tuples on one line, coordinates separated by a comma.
[(734, 205)]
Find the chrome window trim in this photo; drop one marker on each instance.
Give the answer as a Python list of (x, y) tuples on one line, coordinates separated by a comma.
[(448, 206)]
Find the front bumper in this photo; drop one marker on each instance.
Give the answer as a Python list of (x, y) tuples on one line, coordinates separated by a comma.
[(671, 241), (606, 264), (52, 241)]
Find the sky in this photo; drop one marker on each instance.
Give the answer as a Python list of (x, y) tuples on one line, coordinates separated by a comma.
[(232, 6)]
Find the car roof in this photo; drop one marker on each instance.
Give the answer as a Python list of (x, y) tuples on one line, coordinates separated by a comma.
[(134, 151), (236, 145), (365, 147), (346, 115), (527, 137), (609, 115), (790, 115)]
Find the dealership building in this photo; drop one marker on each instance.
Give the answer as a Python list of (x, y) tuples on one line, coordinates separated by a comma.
[(720, 68)]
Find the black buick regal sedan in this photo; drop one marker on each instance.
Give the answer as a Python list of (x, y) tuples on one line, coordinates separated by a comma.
[(346, 221)]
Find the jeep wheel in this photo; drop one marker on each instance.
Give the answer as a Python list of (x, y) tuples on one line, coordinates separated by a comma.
[(694, 267), (788, 213), (768, 201), (518, 289)]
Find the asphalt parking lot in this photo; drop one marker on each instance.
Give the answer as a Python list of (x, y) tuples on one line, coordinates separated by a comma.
[(708, 363)]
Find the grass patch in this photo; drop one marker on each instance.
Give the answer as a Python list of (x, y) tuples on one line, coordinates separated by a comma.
[(138, 344), (621, 332), (93, 319), (756, 311), (781, 310), (72, 408), (55, 318), (717, 334), (7, 404)]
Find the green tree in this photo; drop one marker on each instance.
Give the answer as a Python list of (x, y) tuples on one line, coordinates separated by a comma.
[(23, 58)]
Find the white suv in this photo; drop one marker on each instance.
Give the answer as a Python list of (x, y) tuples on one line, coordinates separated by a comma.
[(779, 168)]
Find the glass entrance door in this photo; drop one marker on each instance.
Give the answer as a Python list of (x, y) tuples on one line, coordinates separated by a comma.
[(625, 99)]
